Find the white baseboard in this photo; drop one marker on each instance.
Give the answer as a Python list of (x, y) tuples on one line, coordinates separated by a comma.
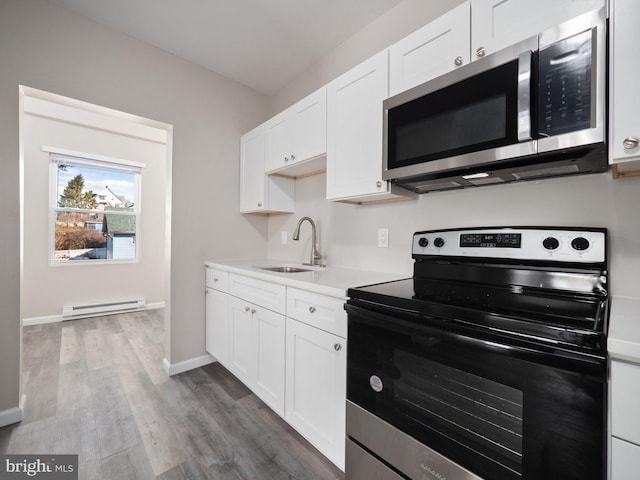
[(10, 416), (185, 365), (27, 322)]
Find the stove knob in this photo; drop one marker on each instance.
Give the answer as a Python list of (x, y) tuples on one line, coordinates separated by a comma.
[(580, 244), (438, 242), (550, 243), (423, 242)]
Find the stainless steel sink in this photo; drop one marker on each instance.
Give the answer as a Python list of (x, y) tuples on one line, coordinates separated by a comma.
[(285, 269)]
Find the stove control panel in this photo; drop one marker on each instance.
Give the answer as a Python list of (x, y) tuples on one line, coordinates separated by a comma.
[(528, 243)]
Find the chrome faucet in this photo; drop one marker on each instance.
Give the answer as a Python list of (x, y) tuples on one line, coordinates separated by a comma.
[(315, 257)]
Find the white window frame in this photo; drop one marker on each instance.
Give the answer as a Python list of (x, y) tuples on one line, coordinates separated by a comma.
[(58, 156)]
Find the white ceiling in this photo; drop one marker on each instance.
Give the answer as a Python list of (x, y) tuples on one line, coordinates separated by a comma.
[(261, 43)]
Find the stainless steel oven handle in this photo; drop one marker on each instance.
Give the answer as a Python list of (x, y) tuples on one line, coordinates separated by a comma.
[(524, 96), (539, 354)]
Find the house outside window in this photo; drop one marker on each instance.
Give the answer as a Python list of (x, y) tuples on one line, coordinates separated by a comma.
[(95, 209)]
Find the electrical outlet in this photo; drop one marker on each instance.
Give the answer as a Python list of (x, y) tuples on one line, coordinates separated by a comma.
[(383, 237), (283, 238)]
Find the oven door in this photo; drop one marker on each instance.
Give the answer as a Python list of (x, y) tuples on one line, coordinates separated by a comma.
[(470, 117), (499, 410)]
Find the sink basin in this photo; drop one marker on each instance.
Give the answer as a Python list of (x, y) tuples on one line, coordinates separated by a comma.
[(285, 269)]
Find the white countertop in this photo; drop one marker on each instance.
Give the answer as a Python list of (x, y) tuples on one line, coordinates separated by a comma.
[(624, 329), (333, 281)]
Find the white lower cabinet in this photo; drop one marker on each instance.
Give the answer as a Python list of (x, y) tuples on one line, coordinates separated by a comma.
[(316, 387), (217, 330), (270, 355), (256, 350), (296, 364)]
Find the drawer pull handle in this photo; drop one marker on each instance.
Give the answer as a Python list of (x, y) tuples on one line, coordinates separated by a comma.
[(337, 347), (312, 309)]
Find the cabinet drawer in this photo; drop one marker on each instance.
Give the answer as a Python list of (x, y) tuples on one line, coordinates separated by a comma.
[(265, 294), (320, 311), (625, 398), (217, 279)]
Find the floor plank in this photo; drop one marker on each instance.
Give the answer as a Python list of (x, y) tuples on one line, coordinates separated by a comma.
[(96, 388)]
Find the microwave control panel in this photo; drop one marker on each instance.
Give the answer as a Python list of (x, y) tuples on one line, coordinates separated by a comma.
[(564, 94)]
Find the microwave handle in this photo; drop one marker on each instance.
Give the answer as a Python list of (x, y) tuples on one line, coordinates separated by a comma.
[(524, 96)]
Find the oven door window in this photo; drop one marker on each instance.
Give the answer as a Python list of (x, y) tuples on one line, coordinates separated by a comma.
[(473, 115), (499, 416)]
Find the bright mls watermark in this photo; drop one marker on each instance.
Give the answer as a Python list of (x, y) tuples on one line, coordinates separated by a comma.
[(51, 467)]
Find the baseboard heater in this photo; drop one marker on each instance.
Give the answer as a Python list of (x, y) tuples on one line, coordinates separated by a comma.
[(74, 311)]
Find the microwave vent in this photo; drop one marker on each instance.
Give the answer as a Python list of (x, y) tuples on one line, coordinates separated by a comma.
[(547, 172)]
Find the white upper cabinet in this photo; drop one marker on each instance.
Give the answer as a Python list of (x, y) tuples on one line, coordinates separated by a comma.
[(296, 139), (624, 67), (434, 50), (260, 193), (496, 24), (354, 133)]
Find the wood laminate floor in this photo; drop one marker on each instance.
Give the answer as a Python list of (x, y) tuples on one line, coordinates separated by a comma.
[(95, 387)]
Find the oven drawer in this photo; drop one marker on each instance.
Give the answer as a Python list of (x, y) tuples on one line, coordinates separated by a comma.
[(362, 466), (410, 457)]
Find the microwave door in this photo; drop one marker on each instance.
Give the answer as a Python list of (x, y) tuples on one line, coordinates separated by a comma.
[(482, 118)]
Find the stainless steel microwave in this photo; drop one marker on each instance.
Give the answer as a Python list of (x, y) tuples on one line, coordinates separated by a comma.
[(533, 110)]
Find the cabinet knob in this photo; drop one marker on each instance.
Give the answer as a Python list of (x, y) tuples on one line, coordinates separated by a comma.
[(458, 61), (286, 159), (293, 157), (630, 142), (337, 347), (215, 280), (312, 309), (480, 52), (259, 204), (253, 310), (379, 184), (246, 309)]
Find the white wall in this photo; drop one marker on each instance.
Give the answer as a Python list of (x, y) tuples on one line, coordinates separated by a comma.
[(47, 288), (48, 48), (348, 233)]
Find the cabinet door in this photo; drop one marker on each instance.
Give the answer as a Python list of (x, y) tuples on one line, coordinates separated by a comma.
[(279, 140), (216, 325), (316, 388), (435, 49), (252, 177), (354, 130), (260, 193), (270, 353), (496, 24), (624, 69), (241, 341), (310, 126), (625, 460)]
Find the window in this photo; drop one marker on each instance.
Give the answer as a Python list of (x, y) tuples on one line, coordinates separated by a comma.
[(95, 208)]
